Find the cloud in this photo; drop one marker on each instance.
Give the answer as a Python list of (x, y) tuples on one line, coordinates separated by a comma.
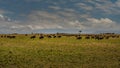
[(33, 0), (106, 6), (101, 6), (39, 20), (67, 19), (7, 25), (77, 25), (44, 20), (48, 20), (84, 6), (118, 3), (54, 7), (96, 25), (102, 24), (4, 18), (2, 11), (87, 15)]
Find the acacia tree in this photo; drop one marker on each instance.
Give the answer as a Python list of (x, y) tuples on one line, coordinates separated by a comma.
[(80, 31)]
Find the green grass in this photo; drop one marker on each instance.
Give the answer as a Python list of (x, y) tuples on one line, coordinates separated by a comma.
[(65, 52)]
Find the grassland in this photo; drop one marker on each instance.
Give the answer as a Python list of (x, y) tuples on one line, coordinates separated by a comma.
[(65, 52)]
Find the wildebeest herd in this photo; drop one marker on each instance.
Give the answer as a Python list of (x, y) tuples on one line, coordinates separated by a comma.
[(47, 36), (77, 36), (8, 36), (98, 36)]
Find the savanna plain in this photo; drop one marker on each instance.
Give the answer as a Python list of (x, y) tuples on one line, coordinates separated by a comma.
[(63, 52)]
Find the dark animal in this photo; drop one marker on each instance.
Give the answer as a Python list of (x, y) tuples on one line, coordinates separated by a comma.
[(87, 37), (79, 37), (5, 36), (32, 37), (99, 37), (59, 36), (117, 36), (54, 36), (26, 34), (92, 37), (1, 36), (41, 37), (49, 36), (11, 37), (107, 37)]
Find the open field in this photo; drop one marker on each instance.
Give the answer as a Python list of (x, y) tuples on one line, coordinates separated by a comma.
[(64, 52)]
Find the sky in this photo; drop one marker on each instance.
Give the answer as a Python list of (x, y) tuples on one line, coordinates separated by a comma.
[(63, 16)]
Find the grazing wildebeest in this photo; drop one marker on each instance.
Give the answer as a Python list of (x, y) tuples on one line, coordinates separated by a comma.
[(5, 36), (26, 34), (113, 36), (99, 37), (54, 36), (59, 36), (41, 37), (117, 36), (11, 37), (32, 37), (49, 36), (79, 37), (87, 37), (92, 37), (1, 36), (107, 37)]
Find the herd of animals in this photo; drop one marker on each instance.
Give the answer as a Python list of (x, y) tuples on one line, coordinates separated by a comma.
[(77, 36)]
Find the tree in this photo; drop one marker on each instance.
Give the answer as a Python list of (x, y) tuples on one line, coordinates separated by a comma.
[(80, 31)]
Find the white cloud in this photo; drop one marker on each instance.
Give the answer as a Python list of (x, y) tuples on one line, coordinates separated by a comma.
[(84, 6), (66, 18), (10, 26), (44, 20), (101, 21), (54, 21), (118, 3), (103, 6), (4, 18), (102, 24), (77, 24), (70, 21), (55, 7), (69, 10), (1, 16)]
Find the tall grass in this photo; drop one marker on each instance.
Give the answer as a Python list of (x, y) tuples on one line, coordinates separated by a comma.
[(65, 52)]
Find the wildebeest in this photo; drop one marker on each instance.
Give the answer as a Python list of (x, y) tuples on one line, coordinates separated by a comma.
[(49, 36), (117, 36), (87, 37), (5, 36), (41, 37), (92, 37), (26, 34), (54, 36), (11, 37), (99, 37), (107, 37), (59, 36), (32, 37), (113, 36), (1, 36), (79, 37)]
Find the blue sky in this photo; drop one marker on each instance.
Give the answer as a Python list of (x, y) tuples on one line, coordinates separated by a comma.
[(51, 16)]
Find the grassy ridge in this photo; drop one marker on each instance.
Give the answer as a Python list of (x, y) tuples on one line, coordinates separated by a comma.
[(65, 52)]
